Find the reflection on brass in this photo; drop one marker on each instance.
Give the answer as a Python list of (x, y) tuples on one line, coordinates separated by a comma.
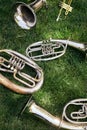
[(16, 64), (51, 49), (25, 15), (64, 122)]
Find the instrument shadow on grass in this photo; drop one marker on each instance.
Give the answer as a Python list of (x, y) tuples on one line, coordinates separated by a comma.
[(25, 116), (12, 103)]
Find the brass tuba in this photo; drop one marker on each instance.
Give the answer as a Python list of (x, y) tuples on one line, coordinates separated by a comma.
[(51, 49), (25, 15), (25, 71), (75, 123)]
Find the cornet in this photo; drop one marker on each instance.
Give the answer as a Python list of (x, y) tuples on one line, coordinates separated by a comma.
[(25, 15), (76, 120), (51, 49), (24, 70)]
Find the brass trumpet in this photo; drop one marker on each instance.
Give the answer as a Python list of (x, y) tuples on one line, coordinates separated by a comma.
[(71, 124), (20, 67), (25, 15), (51, 49), (66, 6)]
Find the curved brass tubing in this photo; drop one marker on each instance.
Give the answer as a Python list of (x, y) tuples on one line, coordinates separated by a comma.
[(63, 122), (16, 65), (51, 49)]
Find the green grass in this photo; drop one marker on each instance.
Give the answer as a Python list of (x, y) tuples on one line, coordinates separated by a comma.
[(65, 78)]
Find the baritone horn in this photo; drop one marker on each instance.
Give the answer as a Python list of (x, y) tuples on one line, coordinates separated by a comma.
[(25, 15), (51, 49), (71, 120), (26, 72)]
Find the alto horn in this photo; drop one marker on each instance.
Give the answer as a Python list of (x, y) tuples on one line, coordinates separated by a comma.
[(25, 71), (25, 15), (51, 49), (78, 119)]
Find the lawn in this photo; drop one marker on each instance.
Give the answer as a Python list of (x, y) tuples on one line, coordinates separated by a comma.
[(65, 78)]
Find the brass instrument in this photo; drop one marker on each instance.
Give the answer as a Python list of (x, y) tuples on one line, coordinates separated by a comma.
[(25, 15), (78, 116), (24, 71), (72, 124), (65, 6), (51, 49)]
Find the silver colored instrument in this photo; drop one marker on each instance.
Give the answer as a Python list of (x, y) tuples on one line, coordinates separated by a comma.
[(79, 114), (23, 69), (51, 49), (25, 15)]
